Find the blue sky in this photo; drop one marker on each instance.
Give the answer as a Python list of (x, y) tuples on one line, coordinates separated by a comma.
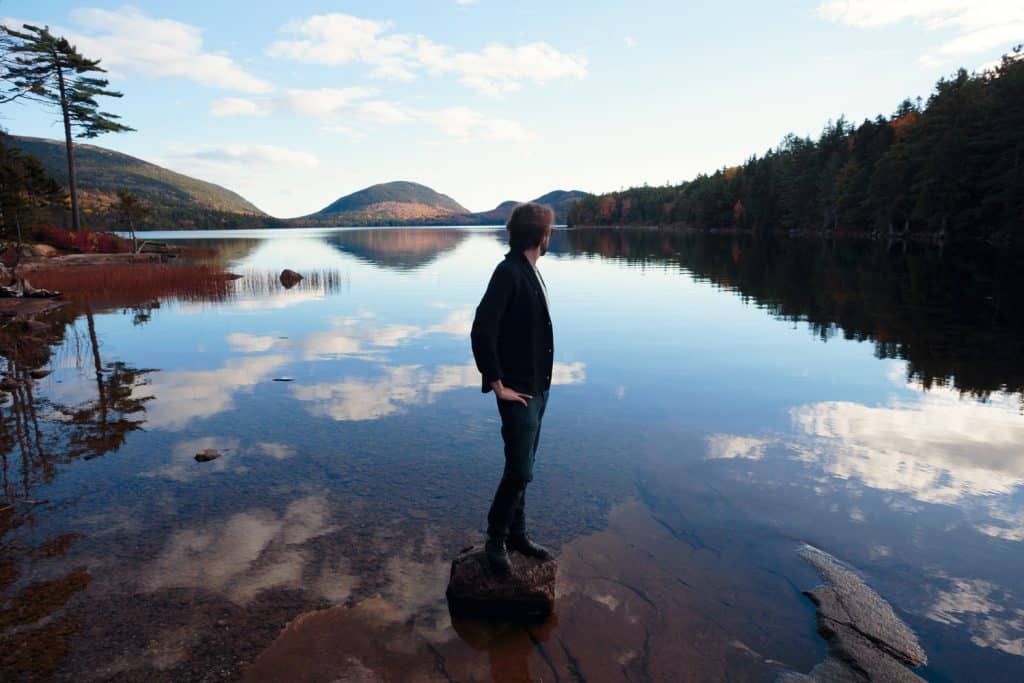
[(295, 104)]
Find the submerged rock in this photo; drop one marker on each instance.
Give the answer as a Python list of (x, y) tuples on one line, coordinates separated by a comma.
[(289, 278), (527, 593), (207, 454), (38, 373), (866, 640)]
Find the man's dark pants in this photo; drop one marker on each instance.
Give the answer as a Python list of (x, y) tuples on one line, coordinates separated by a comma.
[(520, 428)]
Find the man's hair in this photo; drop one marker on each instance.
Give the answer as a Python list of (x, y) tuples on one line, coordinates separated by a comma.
[(527, 225)]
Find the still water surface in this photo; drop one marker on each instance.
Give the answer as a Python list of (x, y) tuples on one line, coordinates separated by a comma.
[(717, 403)]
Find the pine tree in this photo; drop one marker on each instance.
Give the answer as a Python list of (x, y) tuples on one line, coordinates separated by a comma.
[(47, 69)]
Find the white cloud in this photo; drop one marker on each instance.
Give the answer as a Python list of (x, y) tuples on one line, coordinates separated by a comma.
[(236, 164), (978, 25), (246, 155), (237, 106), (380, 111), (345, 109), (628, 41), (465, 124), (131, 41), (323, 102), (728, 446), (337, 39), (498, 68)]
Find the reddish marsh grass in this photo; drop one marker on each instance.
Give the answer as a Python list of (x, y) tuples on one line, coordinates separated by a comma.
[(129, 285)]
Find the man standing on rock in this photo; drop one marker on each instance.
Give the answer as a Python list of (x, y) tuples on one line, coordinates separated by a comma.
[(513, 345)]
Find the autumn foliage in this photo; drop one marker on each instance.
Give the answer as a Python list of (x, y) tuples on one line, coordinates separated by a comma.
[(85, 242)]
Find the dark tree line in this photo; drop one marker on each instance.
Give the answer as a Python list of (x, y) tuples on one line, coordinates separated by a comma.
[(26, 190), (951, 168)]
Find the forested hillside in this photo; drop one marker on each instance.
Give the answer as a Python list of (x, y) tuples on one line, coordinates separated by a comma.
[(950, 169), (173, 199)]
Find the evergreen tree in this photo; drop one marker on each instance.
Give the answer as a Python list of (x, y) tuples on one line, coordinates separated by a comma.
[(25, 186), (952, 168), (47, 69)]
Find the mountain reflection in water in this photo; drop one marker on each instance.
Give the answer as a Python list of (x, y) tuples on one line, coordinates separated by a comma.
[(692, 442)]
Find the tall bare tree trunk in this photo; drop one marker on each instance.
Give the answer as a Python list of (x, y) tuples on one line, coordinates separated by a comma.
[(70, 145)]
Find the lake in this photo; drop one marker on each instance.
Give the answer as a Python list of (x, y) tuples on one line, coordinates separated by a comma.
[(718, 402)]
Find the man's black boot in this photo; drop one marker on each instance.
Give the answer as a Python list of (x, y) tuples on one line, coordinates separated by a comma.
[(522, 544), (497, 556)]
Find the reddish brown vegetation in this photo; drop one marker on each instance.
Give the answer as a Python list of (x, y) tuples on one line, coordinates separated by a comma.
[(84, 242), (130, 285), (901, 124)]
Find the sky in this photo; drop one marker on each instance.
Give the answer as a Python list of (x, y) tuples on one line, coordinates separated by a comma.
[(295, 104)]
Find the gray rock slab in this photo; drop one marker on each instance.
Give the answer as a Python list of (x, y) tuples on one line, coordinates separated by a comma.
[(866, 640)]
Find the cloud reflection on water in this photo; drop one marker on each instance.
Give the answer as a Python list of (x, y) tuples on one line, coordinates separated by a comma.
[(985, 609), (939, 448), (185, 395), (354, 336), (369, 399), (250, 551)]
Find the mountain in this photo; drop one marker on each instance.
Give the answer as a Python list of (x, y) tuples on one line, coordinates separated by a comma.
[(177, 201), (394, 203), (407, 203), (174, 199), (560, 201)]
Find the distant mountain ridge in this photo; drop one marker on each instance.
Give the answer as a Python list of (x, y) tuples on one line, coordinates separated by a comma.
[(172, 197), (408, 203), (400, 200), (178, 201)]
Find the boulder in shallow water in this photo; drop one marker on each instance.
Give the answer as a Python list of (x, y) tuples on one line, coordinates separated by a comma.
[(207, 454), (289, 278), (527, 593)]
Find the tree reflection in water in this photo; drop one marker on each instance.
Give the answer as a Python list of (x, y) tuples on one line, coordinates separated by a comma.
[(956, 315)]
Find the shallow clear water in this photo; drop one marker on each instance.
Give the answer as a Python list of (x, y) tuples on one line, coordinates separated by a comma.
[(713, 409)]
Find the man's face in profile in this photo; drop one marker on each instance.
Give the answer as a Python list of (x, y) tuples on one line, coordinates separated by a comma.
[(544, 242)]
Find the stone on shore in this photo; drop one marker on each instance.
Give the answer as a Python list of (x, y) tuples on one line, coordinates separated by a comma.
[(42, 250), (289, 278), (527, 593), (866, 640)]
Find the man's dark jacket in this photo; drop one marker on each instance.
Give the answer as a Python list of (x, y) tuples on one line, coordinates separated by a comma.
[(512, 336)]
